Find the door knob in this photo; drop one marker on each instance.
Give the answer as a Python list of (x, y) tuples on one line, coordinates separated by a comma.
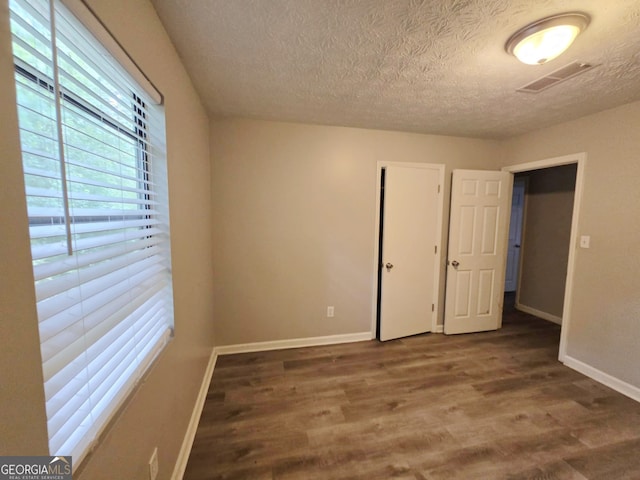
[(389, 266), (455, 264)]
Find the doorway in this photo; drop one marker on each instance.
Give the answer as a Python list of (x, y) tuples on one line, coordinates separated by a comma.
[(576, 162), (545, 246)]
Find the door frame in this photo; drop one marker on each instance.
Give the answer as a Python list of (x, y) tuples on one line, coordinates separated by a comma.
[(381, 164), (523, 235), (580, 160), (525, 182)]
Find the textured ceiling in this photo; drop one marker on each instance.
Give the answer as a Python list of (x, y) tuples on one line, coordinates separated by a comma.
[(412, 65)]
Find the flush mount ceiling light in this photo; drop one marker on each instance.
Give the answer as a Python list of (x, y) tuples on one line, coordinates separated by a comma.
[(545, 39)]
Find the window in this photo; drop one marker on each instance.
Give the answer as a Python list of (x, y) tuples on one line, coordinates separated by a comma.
[(94, 168)]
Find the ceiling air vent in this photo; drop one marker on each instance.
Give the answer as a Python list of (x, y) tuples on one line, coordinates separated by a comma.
[(556, 77)]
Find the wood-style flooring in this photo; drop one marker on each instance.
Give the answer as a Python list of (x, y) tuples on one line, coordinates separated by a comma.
[(494, 405)]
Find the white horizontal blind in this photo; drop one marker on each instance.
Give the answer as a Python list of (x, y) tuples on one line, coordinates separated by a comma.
[(95, 176)]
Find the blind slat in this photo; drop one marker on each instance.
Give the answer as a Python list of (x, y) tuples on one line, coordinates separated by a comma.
[(45, 231), (39, 252), (60, 285), (103, 214), (95, 293), (65, 384), (57, 267), (68, 345)]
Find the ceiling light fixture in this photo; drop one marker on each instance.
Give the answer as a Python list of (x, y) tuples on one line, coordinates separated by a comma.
[(545, 39)]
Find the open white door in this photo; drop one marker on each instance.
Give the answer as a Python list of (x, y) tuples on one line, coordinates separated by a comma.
[(476, 256), (411, 218)]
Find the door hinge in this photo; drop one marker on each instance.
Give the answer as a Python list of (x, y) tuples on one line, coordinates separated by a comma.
[(435, 249), (433, 307), (438, 188)]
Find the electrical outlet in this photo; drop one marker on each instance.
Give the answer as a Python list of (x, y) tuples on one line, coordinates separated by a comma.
[(153, 465), (330, 312)]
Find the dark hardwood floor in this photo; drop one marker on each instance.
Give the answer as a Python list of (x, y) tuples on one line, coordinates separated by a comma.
[(494, 405)]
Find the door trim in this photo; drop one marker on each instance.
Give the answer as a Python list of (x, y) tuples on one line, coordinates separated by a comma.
[(580, 159), (440, 207), (524, 182), (523, 236)]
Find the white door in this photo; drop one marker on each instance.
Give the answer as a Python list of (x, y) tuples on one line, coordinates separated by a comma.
[(476, 255), (410, 233), (515, 236)]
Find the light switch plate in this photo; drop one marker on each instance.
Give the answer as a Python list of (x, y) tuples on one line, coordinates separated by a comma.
[(585, 241)]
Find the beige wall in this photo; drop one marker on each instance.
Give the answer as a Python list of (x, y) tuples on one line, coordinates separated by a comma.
[(159, 412), (295, 222), (604, 327), (546, 235)]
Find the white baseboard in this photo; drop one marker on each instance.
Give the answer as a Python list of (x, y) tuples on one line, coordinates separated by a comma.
[(293, 343), (439, 329), (187, 443), (539, 313), (618, 385)]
